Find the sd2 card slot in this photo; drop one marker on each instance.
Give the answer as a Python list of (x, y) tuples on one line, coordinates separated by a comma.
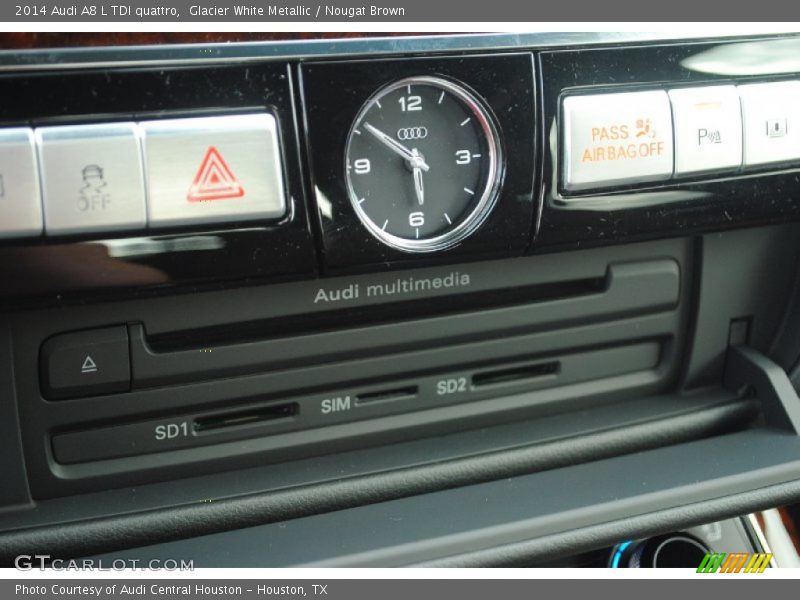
[(515, 374)]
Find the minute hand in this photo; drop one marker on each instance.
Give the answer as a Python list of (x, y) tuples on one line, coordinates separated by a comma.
[(389, 141)]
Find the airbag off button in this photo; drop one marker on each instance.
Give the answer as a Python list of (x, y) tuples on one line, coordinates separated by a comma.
[(612, 139)]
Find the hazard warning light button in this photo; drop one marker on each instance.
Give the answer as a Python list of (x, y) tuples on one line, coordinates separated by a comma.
[(613, 139), (213, 170)]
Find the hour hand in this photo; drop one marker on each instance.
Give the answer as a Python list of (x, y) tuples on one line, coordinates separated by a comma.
[(419, 186), (397, 147)]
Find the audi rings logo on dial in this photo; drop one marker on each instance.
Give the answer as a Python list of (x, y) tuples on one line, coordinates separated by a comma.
[(412, 133)]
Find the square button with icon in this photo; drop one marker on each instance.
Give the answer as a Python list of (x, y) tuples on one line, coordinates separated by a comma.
[(92, 178), (708, 128), (86, 363), (612, 139), (213, 170), (771, 113)]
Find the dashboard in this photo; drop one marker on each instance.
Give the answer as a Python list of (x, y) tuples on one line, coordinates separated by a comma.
[(473, 300)]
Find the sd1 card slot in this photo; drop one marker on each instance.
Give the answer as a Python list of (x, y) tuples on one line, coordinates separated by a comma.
[(240, 418)]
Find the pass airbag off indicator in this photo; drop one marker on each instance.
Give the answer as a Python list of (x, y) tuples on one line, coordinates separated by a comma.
[(612, 139)]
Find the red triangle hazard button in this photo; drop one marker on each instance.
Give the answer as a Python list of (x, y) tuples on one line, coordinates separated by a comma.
[(214, 180)]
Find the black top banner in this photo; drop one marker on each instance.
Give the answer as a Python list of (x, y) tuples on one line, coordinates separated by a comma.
[(393, 11)]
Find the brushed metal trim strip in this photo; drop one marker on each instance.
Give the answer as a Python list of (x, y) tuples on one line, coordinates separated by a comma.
[(166, 55)]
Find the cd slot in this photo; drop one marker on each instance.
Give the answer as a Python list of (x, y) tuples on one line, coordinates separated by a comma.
[(629, 290), (392, 312)]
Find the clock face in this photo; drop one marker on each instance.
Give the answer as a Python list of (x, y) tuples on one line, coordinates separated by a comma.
[(423, 164)]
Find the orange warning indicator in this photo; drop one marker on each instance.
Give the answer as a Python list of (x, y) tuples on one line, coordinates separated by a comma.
[(608, 142), (214, 180)]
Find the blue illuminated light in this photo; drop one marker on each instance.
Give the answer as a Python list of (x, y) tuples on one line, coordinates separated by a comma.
[(618, 554)]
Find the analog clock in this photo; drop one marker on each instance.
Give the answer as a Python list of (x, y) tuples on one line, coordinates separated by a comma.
[(423, 164)]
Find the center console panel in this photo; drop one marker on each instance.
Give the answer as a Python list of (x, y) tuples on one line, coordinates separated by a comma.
[(349, 282)]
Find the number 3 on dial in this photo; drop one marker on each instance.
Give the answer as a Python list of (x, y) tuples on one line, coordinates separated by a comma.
[(423, 164)]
